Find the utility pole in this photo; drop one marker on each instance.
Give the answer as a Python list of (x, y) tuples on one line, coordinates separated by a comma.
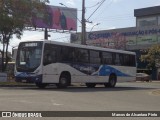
[(46, 35), (83, 37)]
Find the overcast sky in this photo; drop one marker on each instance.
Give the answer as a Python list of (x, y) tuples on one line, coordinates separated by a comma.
[(111, 15)]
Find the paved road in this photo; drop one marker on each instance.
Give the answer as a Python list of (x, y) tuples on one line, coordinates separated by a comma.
[(139, 96)]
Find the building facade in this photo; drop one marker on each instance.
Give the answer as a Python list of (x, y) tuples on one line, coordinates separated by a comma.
[(145, 34)]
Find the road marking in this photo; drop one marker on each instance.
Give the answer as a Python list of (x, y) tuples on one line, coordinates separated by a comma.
[(54, 103), (155, 92)]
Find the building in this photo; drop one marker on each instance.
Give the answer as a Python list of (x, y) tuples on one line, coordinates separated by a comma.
[(145, 34)]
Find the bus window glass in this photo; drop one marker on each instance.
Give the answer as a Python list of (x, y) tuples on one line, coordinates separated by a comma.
[(126, 60), (107, 58), (94, 57), (67, 54), (121, 58), (81, 55), (117, 59), (49, 54), (132, 60)]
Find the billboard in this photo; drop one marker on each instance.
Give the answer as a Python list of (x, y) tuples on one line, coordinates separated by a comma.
[(54, 17), (148, 39)]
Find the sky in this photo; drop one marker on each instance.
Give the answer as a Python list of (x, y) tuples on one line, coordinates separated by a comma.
[(112, 14)]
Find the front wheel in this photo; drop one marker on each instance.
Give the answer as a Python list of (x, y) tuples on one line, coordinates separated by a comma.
[(41, 85), (112, 81), (63, 82)]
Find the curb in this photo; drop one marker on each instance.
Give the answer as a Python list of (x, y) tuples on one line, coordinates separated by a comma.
[(17, 85)]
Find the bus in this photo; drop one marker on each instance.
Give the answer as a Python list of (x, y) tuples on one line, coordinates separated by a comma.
[(50, 62)]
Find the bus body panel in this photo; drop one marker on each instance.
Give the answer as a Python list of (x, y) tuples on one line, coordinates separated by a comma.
[(80, 72), (53, 71)]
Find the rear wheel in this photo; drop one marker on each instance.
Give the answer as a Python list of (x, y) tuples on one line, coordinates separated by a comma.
[(112, 81), (41, 85), (90, 85)]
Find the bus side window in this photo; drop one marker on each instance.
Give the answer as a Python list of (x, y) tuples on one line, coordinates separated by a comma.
[(94, 57), (67, 54), (107, 58), (117, 59), (81, 55), (132, 60), (121, 59), (49, 54), (47, 59)]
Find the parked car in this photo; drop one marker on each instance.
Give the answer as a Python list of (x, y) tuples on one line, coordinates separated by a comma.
[(142, 77)]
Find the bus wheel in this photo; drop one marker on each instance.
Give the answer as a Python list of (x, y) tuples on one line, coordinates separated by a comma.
[(63, 82), (112, 81), (41, 85), (90, 85)]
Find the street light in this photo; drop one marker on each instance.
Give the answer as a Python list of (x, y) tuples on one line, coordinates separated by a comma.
[(94, 26)]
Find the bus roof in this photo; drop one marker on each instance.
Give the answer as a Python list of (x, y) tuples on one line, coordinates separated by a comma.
[(85, 46)]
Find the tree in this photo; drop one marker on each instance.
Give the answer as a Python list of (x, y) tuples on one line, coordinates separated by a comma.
[(152, 57), (14, 16)]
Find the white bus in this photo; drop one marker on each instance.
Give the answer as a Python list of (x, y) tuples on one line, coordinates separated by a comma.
[(50, 62)]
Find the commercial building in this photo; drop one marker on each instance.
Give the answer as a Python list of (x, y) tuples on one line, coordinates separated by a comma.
[(145, 34)]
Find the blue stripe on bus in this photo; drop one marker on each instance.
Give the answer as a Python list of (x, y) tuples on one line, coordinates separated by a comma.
[(106, 70), (98, 70)]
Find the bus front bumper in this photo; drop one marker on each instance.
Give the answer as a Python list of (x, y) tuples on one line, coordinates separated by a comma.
[(29, 79)]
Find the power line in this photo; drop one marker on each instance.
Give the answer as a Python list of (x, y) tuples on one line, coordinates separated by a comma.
[(94, 5), (104, 9), (118, 15), (96, 9), (115, 19)]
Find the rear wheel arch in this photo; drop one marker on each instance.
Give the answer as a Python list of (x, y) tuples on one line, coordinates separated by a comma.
[(113, 74), (112, 80)]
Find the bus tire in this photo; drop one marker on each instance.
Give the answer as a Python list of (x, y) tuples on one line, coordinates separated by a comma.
[(41, 85), (112, 81), (63, 82), (90, 85)]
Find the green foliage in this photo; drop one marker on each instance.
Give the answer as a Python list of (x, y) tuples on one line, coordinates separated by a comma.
[(152, 57), (15, 15)]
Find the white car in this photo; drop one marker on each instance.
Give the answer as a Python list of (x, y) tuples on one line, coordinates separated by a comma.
[(142, 77)]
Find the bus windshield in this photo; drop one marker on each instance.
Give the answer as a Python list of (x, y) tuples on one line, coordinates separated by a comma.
[(28, 56)]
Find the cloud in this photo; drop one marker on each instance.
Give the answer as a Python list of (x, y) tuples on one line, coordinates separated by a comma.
[(110, 28), (116, 1), (71, 2), (28, 36), (157, 4)]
